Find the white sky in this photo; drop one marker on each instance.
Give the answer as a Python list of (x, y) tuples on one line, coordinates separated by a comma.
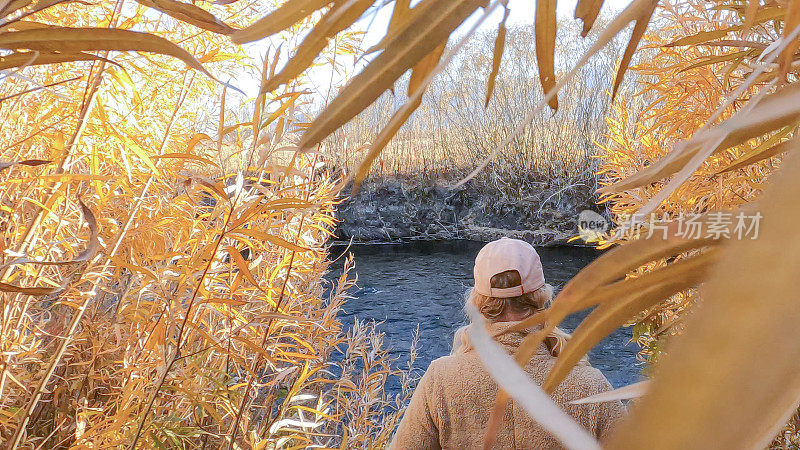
[(522, 13)]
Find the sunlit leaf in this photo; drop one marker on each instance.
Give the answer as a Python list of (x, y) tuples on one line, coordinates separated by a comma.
[(241, 264), (790, 23), (762, 15), (587, 11), (624, 300), (628, 392), (722, 58), (430, 25), (423, 68), (271, 238), (758, 155), (338, 18), (712, 381), (636, 35), (94, 242), (90, 250), (187, 156), (750, 13), (24, 59), (289, 13), (499, 45), (400, 15), (189, 13), (35, 291), (776, 110), (72, 40), (27, 162), (545, 28), (10, 6)]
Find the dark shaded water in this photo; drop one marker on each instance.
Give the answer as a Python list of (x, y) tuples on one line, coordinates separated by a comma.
[(424, 284)]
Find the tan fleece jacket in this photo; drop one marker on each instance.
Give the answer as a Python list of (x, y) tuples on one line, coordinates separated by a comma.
[(452, 402)]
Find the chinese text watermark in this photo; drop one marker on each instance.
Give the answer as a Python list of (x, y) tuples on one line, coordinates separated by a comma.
[(714, 225)]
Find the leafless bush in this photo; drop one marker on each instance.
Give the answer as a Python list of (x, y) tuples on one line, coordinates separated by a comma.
[(453, 130)]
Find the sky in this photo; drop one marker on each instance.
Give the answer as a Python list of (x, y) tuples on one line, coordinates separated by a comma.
[(375, 25), (522, 12)]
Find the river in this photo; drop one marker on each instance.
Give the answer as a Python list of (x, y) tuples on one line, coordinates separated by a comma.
[(423, 284)]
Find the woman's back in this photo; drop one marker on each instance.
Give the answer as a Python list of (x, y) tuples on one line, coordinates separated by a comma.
[(453, 401)]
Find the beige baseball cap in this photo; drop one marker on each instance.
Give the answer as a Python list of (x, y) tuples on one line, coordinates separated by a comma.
[(508, 254)]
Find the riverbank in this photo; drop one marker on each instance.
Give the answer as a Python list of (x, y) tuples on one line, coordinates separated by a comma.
[(390, 210)]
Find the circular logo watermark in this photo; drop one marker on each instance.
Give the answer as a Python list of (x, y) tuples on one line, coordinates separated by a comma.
[(591, 225)]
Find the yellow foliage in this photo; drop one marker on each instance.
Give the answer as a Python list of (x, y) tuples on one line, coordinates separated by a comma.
[(184, 304), (681, 87), (679, 97)]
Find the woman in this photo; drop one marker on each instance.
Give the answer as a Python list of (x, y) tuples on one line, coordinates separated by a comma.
[(450, 407)]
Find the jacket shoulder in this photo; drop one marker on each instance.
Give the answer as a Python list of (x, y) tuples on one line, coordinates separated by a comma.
[(449, 362), (583, 381), (464, 367)]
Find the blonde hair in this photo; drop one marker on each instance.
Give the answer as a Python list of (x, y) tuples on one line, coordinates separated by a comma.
[(493, 308)]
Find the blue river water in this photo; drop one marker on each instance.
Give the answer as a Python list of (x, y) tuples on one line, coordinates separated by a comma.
[(423, 284)]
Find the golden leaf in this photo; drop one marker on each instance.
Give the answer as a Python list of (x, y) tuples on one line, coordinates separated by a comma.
[(289, 13), (430, 24), (587, 11), (499, 45), (621, 302), (338, 18), (638, 31), (730, 380), (189, 13), (72, 40), (545, 29)]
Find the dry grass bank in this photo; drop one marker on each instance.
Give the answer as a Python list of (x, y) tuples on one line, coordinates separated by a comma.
[(453, 130)]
